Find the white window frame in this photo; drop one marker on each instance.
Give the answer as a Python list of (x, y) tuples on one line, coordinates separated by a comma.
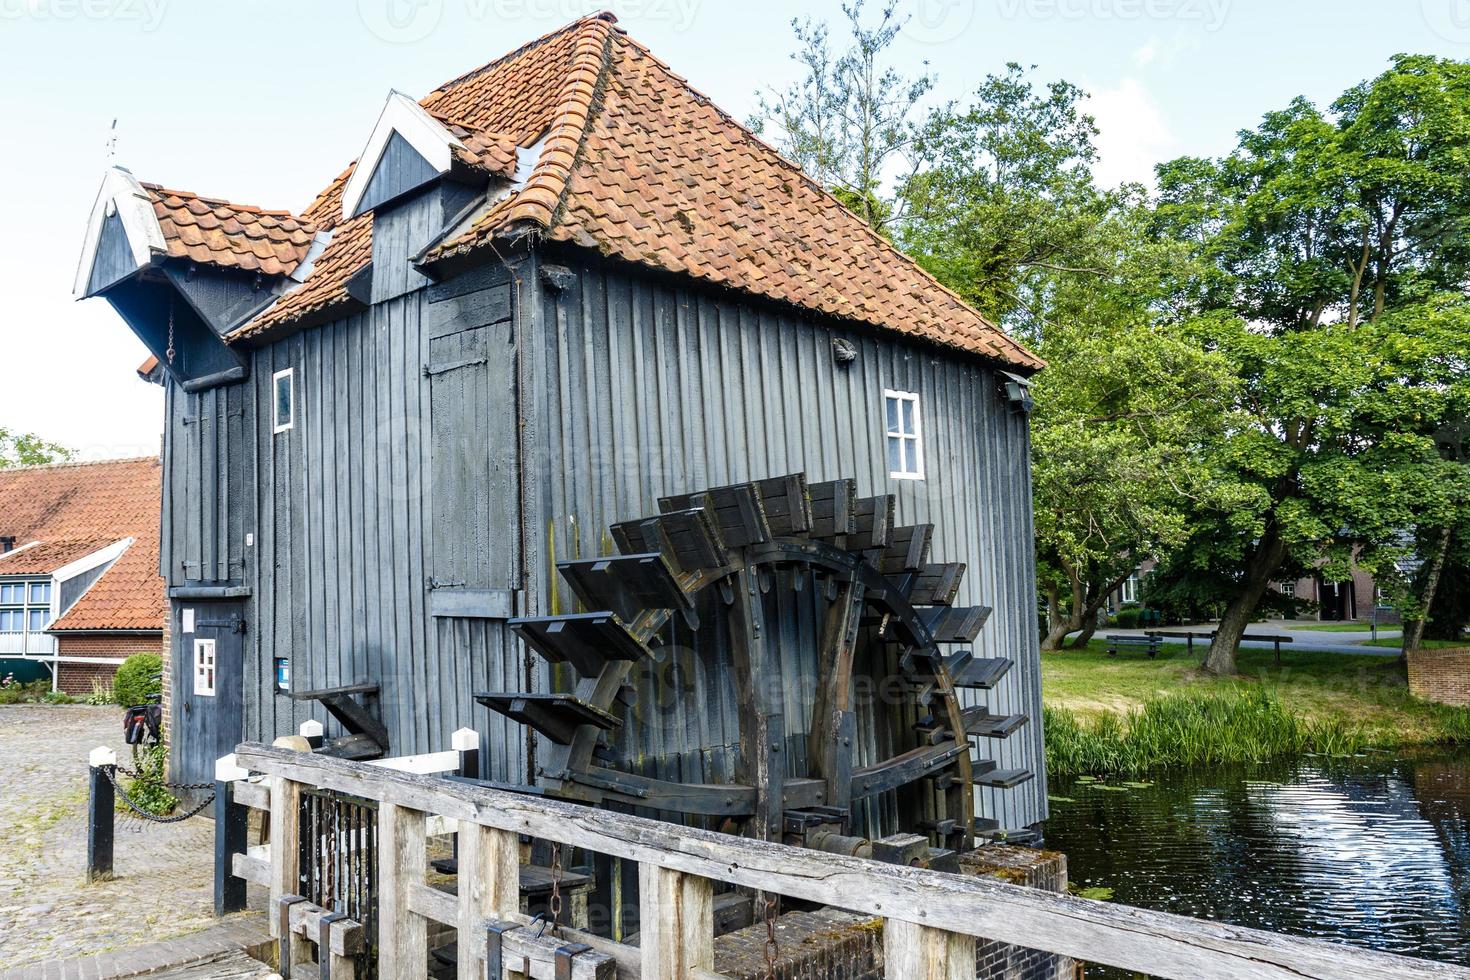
[(290, 375), (916, 437), (206, 667), (1130, 589)]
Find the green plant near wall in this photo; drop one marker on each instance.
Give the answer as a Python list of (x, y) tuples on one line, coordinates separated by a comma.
[(135, 679), (147, 789)]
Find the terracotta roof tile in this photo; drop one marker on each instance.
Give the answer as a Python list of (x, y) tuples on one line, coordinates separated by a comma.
[(233, 236), (78, 506), (641, 167)]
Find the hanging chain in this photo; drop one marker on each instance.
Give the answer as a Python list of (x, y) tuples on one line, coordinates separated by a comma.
[(169, 353), (772, 949), (556, 873)]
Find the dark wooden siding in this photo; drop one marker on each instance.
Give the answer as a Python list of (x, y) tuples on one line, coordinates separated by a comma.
[(646, 390), (209, 463), (358, 520)]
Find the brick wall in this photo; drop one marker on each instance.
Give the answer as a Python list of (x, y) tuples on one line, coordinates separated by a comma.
[(1441, 675), (166, 648), (1044, 870), (77, 678)]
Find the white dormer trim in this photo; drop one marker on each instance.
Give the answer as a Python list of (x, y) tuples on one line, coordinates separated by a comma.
[(427, 135), (88, 562), (121, 194)]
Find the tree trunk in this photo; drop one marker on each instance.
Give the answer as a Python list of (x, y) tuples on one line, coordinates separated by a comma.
[(1414, 630), (1261, 567)]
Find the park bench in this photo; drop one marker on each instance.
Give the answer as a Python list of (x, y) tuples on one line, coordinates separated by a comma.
[(1150, 640), (1189, 639)]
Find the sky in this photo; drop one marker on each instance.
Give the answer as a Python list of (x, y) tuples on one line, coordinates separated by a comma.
[(264, 101)]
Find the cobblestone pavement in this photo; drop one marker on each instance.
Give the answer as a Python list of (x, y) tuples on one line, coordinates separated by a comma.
[(163, 886)]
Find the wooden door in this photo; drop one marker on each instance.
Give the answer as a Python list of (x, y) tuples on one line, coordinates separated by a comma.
[(208, 664)]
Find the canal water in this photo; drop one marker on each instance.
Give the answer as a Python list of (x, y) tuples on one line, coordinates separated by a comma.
[(1372, 850)]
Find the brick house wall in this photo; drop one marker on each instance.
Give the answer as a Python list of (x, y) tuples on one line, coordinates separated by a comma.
[(1441, 675), (77, 678)]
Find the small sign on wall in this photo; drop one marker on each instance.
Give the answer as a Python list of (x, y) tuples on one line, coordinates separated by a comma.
[(188, 621)]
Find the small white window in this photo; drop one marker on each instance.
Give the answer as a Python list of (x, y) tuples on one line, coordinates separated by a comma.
[(1130, 588), (204, 667), (1288, 589), (283, 387), (905, 435)]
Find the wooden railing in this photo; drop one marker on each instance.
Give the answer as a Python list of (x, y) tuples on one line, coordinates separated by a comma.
[(932, 919)]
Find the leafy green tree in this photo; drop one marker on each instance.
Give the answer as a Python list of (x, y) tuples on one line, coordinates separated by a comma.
[(1323, 242), (852, 119), (27, 449), (1006, 204), (1123, 411)]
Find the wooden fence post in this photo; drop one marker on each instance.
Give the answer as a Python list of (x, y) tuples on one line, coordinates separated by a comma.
[(403, 858), (285, 844), (100, 801), (676, 923), (489, 888), (231, 824), (914, 952)]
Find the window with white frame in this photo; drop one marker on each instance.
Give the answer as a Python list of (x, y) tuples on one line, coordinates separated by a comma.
[(905, 435), (1130, 588), (283, 399), (25, 607), (204, 667), (1288, 589)]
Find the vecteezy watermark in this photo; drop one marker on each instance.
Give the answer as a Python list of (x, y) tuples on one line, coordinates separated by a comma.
[(939, 21), (1450, 19), (147, 14), (410, 21), (1210, 13)]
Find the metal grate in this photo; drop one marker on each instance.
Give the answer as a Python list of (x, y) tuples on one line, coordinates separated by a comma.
[(339, 862)]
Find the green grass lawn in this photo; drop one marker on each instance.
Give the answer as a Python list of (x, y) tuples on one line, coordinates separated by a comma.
[(1336, 628), (1367, 692), (1395, 642)]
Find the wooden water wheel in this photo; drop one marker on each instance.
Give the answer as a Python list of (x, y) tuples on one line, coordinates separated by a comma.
[(720, 552)]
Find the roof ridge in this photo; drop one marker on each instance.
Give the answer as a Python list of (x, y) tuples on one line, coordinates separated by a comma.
[(72, 463), (159, 189), (540, 200), (606, 16)]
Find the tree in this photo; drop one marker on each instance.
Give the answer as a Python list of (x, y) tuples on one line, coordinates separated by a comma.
[(1324, 239), (850, 121), (28, 449), (1123, 411), (1007, 202)]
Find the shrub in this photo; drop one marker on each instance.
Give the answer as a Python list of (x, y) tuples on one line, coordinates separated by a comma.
[(57, 697), (1128, 618), (148, 791), (135, 679), (101, 694)]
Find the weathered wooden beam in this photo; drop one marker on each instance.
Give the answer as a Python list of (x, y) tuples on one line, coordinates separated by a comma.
[(915, 952), (403, 859), (489, 888), (285, 850), (677, 915), (1151, 942)]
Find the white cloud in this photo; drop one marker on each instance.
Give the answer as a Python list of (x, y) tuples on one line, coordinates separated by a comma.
[(1133, 133)]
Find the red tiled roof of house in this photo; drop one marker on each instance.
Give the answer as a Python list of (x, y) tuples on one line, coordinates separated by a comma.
[(641, 167), (65, 506), (46, 556), (236, 236)]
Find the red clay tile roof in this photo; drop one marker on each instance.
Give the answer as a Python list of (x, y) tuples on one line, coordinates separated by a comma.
[(639, 166), (100, 503), (235, 236), (46, 556)]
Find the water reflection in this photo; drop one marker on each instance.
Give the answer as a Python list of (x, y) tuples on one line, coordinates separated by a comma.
[(1373, 851)]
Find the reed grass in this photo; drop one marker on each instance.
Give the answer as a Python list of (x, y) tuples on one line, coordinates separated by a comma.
[(1191, 729)]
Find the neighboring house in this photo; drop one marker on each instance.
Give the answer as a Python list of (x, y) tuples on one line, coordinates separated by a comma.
[(1358, 599), (79, 583), (557, 289)]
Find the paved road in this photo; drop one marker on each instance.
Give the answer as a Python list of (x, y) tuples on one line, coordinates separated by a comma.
[(47, 910), (1315, 641)]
